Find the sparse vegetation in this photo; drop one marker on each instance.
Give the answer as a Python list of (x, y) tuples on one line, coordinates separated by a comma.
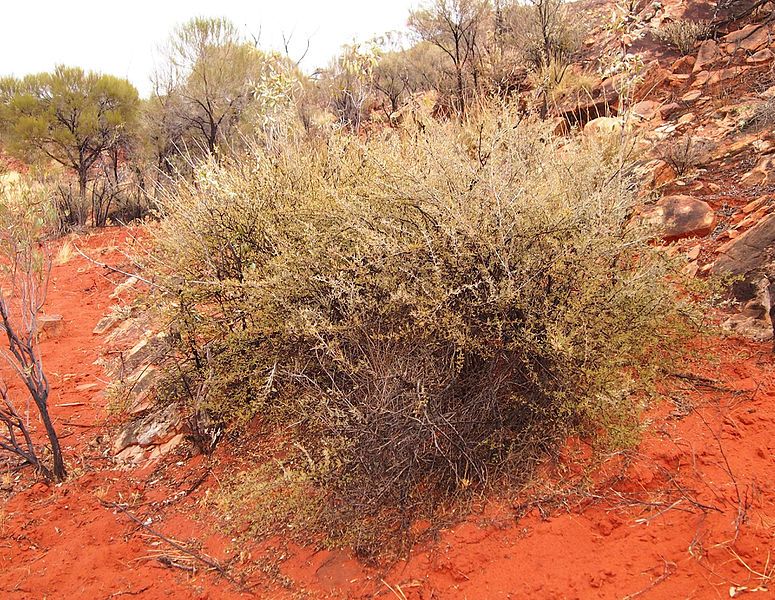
[(683, 34), (762, 116), (415, 295), (684, 153)]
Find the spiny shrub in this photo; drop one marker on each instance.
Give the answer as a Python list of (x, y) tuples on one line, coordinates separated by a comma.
[(682, 34), (416, 315)]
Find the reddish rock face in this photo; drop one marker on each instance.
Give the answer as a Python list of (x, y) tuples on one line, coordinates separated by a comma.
[(762, 56), (707, 53), (750, 38), (750, 251), (685, 64), (682, 217), (646, 109)]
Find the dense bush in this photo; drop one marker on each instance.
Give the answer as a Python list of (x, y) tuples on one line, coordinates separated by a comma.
[(415, 315)]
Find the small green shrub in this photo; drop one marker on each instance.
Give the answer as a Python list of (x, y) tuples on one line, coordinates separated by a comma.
[(682, 34), (418, 315)]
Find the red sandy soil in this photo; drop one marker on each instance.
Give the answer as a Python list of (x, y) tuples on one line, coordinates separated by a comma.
[(691, 515)]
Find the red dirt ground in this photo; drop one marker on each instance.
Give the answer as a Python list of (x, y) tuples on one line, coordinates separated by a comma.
[(691, 515)]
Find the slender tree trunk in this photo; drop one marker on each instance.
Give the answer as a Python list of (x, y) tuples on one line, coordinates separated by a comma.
[(81, 208), (59, 471)]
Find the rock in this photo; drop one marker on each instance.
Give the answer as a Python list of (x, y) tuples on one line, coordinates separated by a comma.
[(50, 326), (768, 93), (141, 388), (173, 443), (683, 65), (716, 77), (750, 38), (755, 205), (647, 109), (753, 321), (123, 287), (603, 126), (691, 96), (151, 430), (678, 80), (706, 55), (762, 174), (701, 79), (762, 56), (143, 353), (107, 323), (749, 252), (661, 174), (668, 110), (131, 455), (748, 327), (681, 217)]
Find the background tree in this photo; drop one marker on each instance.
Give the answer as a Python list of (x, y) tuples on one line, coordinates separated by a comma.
[(69, 116), (348, 82), (455, 27), (207, 83)]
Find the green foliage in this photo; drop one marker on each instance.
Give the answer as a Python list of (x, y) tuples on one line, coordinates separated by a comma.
[(419, 315), (68, 116)]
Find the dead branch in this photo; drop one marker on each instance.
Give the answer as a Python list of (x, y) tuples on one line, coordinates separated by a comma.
[(209, 562), (112, 268)]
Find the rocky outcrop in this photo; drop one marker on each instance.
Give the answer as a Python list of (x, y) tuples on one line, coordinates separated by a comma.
[(132, 358), (602, 101), (750, 38), (751, 251), (750, 257), (753, 321)]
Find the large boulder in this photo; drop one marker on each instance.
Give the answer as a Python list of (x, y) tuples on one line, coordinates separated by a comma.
[(681, 217)]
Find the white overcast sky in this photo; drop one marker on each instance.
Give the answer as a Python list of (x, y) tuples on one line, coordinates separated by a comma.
[(122, 37)]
